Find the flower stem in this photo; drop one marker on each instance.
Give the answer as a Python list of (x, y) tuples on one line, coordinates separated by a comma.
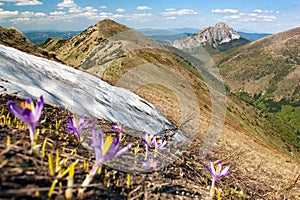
[(31, 133), (212, 189), (146, 154), (89, 178)]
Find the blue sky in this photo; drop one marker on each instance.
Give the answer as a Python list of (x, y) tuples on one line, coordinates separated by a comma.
[(269, 16)]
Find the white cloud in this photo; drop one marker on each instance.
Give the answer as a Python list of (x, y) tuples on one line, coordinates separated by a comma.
[(143, 8), (140, 17), (75, 9), (102, 7), (232, 17), (257, 11), (21, 19), (255, 15), (120, 10), (30, 14), (66, 3), (6, 14), (227, 10), (173, 12), (40, 14), (88, 12), (79, 11), (171, 17), (27, 14), (28, 3), (105, 14), (267, 18), (170, 9), (57, 13), (22, 2)]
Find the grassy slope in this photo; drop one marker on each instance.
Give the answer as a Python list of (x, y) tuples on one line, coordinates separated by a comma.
[(265, 74), (269, 65)]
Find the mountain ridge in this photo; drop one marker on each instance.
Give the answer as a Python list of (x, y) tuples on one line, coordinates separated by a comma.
[(73, 50)]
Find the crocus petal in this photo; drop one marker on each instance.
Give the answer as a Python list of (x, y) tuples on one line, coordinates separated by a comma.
[(225, 171), (119, 127), (15, 110), (73, 122), (122, 151), (81, 119), (97, 142), (28, 114), (159, 142), (76, 126), (86, 123), (108, 144), (219, 167), (151, 163), (29, 103), (39, 108), (112, 150), (212, 168), (97, 147), (148, 139), (145, 138)]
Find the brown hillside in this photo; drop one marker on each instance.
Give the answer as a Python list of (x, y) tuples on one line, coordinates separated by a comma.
[(13, 38)]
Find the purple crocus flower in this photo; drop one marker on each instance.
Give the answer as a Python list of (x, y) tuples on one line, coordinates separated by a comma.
[(148, 139), (151, 163), (119, 127), (104, 150), (216, 174), (159, 142), (75, 127), (28, 113), (108, 149)]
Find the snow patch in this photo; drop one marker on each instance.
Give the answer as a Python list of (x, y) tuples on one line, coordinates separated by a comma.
[(80, 92)]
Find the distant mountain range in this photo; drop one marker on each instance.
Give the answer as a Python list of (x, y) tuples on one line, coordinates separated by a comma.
[(38, 37), (168, 35), (252, 36), (159, 35)]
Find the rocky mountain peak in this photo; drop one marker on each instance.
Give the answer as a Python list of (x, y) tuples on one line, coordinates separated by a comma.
[(221, 33), (215, 36)]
